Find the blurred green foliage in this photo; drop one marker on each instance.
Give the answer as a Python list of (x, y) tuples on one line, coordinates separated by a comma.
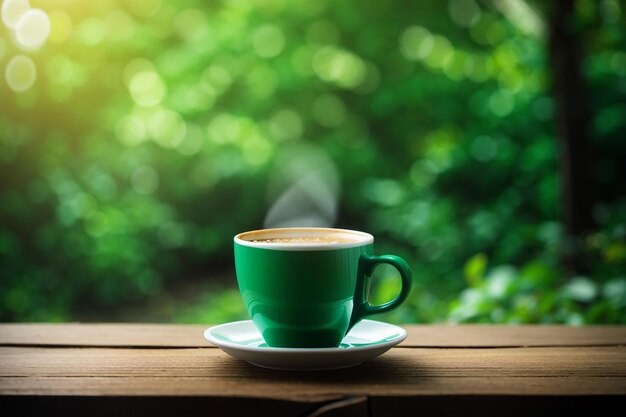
[(153, 126)]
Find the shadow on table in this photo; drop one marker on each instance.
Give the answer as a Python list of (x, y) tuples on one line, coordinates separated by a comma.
[(388, 369)]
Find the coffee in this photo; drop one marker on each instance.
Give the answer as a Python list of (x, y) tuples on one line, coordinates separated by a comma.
[(304, 240)]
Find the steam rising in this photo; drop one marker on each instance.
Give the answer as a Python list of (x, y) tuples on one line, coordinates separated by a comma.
[(304, 190)]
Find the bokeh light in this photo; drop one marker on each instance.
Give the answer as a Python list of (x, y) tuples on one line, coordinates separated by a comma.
[(441, 51), (223, 128), (465, 13), (60, 26), (172, 234), (329, 110), (340, 67), (501, 103), (456, 65), (144, 179), (167, 128), (216, 79), (191, 25), (121, 26), (135, 66), (193, 141), (32, 29), (481, 68), (484, 148), (146, 88), (12, 12), (131, 130), (91, 31), (286, 124), (268, 41), (65, 71), (20, 73), (262, 81), (416, 43)]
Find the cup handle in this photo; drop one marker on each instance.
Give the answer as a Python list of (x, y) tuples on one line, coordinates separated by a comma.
[(362, 308)]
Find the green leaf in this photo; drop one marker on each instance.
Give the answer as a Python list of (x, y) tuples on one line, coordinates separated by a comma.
[(475, 269)]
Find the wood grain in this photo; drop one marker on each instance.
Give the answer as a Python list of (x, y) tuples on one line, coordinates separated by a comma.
[(400, 372), (513, 336), (103, 334), (191, 335)]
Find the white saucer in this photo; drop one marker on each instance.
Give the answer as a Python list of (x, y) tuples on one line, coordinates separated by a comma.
[(367, 339)]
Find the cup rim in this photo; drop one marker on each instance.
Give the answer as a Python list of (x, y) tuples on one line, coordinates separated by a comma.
[(365, 239)]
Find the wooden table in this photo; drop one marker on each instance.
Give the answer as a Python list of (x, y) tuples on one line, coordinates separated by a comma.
[(151, 369)]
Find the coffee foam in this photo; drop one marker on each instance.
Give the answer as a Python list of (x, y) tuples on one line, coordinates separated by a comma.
[(302, 238), (306, 240)]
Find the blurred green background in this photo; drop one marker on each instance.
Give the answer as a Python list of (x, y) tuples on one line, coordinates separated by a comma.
[(141, 136)]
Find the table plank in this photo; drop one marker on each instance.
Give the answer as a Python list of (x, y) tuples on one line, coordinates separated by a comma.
[(514, 335), (102, 334), (503, 405), (399, 372), (191, 335), (323, 391), (177, 406)]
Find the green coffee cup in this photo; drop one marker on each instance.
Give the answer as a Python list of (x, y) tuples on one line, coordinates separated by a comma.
[(307, 287)]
